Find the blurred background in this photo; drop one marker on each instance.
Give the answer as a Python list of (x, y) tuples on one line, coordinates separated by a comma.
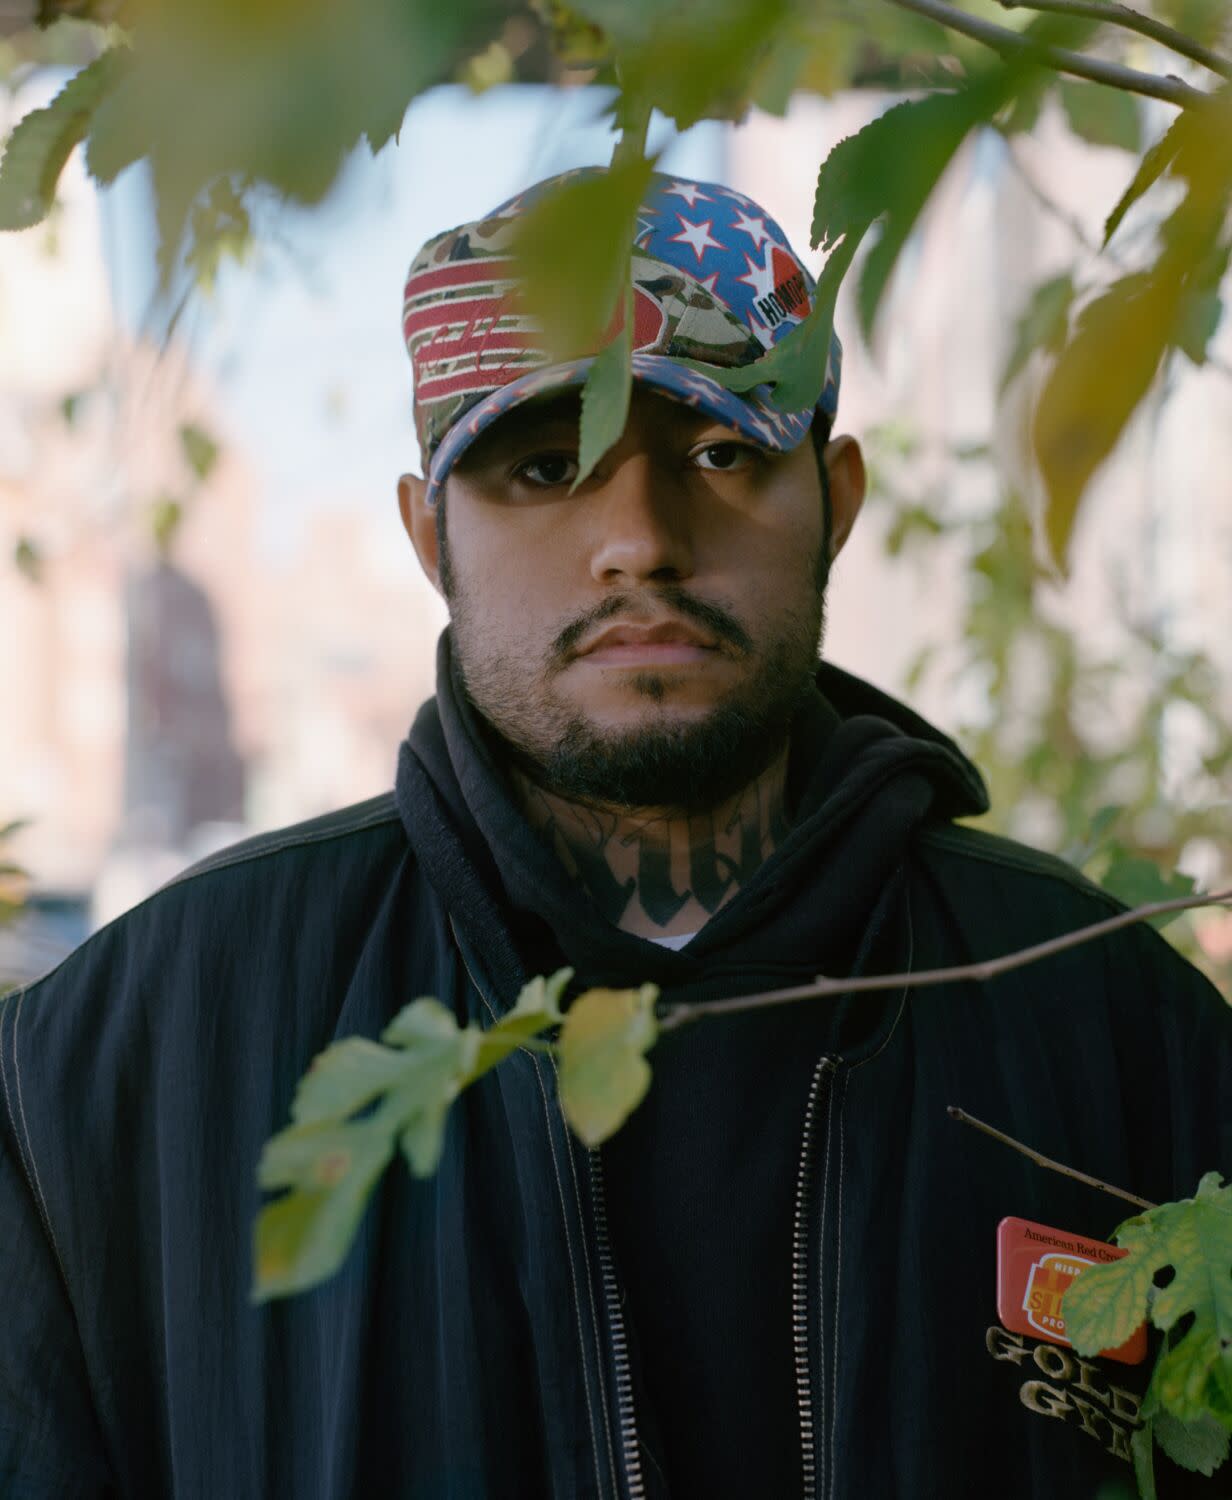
[(212, 623)]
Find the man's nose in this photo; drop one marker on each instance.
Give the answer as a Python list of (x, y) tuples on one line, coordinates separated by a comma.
[(642, 521)]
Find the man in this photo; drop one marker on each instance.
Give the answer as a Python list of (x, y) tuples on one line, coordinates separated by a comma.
[(780, 1277)]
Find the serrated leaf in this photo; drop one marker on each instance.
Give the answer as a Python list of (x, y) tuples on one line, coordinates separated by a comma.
[(1152, 166), (302, 1238), (572, 249), (890, 168), (1200, 1446), (1101, 115), (605, 397), (1192, 1238), (1043, 325), (604, 1074), (40, 143)]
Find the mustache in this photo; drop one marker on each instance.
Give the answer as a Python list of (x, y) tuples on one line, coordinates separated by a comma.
[(716, 621)]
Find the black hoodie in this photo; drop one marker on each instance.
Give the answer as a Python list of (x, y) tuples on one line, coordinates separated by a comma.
[(777, 1279)]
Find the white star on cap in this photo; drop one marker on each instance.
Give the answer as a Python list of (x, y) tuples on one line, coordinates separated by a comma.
[(689, 191), (754, 228), (709, 283), (697, 235)]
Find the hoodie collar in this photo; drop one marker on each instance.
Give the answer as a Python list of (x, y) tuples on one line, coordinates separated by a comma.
[(864, 773)]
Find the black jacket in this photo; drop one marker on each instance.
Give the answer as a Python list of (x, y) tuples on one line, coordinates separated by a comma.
[(498, 1331)]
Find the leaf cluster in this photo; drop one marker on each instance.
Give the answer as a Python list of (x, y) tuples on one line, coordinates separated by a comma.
[(363, 1101), (1177, 1273)]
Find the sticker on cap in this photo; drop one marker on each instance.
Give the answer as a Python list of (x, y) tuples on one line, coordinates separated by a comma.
[(1035, 1266)]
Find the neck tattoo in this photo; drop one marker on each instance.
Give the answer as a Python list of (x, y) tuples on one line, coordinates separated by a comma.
[(658, 872)]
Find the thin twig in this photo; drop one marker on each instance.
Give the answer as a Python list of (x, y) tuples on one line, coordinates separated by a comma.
[(671, 1016), (1051, 206), (1012, 44), (1130, 20), (1041, 1160)]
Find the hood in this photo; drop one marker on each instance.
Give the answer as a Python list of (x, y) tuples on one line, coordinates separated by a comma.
[(864, 774)]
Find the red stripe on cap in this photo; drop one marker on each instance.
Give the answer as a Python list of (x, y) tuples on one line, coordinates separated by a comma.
[(484, 341), (463, 311), (460, 273), (462, 385)]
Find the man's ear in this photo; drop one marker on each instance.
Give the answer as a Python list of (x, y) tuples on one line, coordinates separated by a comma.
[(419, 519), (848, 482)]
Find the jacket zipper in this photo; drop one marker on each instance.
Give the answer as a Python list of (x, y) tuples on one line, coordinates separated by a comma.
[(630, 1447), (823, 1076)]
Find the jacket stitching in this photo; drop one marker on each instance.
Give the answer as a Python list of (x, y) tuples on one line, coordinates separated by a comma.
[(277, 845), (838, 1286), (25, 1146), (590, 1290), (824, 1465), (577, 1305)]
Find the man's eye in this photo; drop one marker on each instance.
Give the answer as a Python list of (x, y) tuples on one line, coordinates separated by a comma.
[(548, 470), (725, 457)]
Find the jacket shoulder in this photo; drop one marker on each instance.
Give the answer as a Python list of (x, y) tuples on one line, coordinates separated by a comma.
[(359, 818), (963, 842), (259, 874)]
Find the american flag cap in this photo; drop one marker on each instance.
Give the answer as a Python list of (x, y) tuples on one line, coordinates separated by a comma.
[(714, 281)]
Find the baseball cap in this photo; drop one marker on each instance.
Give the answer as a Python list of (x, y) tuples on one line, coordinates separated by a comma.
[(715, 282)]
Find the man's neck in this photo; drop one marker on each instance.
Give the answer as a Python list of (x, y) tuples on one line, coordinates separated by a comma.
[(657, 872)]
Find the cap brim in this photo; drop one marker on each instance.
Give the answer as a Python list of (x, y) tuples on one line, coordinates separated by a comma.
[(752, 413)]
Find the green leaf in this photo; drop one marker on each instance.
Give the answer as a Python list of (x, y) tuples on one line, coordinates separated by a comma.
[(273, 94), (1193, 1238), (572, 249), (166, 516), (1139, 882), (1150, 169), (28, 559), (1097, 382), (345, 1078), (1200, 1446), (796, 365), (199, 449), (302, 1238), (41, 142), (891, 167), (1043, 325), (1101, 115), (696, 61), (604, 1074), (605, 397), (1142, 1450), (537, 1009)]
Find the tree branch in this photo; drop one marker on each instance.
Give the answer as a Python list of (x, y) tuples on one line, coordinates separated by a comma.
[(1040, 1160), (1011, 44), (671, 1016), (1131, 20)]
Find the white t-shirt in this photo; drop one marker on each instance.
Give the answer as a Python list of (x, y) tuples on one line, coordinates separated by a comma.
[(677, 942)]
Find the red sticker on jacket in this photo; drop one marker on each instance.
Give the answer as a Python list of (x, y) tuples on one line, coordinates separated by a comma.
[(1035, 1265)]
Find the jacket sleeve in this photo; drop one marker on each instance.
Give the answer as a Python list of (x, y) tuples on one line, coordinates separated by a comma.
[(50, 1444)]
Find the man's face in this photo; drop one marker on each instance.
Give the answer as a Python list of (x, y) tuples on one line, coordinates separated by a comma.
[(646, 640)]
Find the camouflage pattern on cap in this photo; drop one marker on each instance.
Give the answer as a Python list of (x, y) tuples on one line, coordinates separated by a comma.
[(714, 280)]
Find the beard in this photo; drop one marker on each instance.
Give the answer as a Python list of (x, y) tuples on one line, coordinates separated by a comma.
[(661, 761)]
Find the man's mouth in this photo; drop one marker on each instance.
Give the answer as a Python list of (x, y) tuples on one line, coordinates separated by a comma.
[(663, 643)]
